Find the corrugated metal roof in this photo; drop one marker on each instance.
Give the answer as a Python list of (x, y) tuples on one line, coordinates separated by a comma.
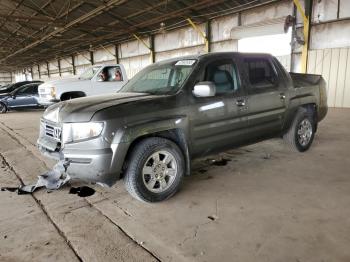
[(32, 31)]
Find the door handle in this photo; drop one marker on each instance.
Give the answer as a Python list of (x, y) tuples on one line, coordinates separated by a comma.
[(240, 102), (282, 96)]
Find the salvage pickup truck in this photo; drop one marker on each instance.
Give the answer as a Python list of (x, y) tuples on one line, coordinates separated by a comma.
[(95, 80), (177, 110)]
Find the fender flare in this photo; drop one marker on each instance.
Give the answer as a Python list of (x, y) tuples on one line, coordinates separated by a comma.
[(303, 101), (174, 129)]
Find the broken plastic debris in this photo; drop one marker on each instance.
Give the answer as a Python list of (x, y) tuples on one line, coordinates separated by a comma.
[(52, 180)]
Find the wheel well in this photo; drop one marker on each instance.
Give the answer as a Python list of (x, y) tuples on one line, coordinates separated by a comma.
[(6, 108), (312, 108), (175, 135), (71, 95)]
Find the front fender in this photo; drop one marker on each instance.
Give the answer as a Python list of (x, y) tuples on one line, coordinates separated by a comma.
[(126, 136), (129, 133)]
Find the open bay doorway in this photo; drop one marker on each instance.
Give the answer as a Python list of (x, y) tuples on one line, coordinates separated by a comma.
[(277, 45)]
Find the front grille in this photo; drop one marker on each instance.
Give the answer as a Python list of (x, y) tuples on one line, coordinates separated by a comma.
[(52, 131)]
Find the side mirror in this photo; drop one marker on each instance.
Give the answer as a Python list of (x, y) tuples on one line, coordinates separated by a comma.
[(204, 89)]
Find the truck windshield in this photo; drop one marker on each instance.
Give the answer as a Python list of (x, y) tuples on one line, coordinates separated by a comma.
[(161, 79), (89, 73)]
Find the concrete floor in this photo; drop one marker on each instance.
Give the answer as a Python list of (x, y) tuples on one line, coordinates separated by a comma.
[(266, 204)]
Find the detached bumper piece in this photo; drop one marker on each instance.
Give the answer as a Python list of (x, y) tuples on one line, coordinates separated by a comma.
[(52, 180)]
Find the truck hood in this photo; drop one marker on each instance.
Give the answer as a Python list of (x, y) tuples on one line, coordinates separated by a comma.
[(83, 109), (64, 81)]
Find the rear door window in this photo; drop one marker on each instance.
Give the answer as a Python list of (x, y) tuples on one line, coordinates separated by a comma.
[(261, 73)]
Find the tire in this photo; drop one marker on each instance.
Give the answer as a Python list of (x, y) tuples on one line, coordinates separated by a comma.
[(149, 180), (301, 133), (3, 108)]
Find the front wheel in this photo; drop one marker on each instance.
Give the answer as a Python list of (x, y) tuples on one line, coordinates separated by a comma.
[(3, 108), (155, 170), (302, 131)]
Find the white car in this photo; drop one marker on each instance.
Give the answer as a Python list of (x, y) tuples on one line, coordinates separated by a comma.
[(96, 80)]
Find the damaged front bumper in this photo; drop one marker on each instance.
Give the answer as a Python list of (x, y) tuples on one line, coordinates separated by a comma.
[(93, 160)]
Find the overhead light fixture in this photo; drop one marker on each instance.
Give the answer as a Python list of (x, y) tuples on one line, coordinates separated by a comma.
[(162, 29)]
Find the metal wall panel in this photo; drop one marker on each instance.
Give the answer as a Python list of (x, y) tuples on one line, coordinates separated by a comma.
[(334, 66), (324, 10), (285, 61), (5, 78), (135, 64), (106, 62), (346, 93), (193, 50), (54, 71), (181, 38), (43, 71), (221, 28), (344, 9), (104, 54), (331, 35), (133, 48), (66, 66), (260, 14), (82, 59), (35, 73), (225, 46)]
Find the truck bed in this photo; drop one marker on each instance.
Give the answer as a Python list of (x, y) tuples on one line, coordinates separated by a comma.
[(301, 80)]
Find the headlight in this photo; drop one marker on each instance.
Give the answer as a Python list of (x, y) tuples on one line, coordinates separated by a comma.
[(80, 131), (53, 92), (52, 115)]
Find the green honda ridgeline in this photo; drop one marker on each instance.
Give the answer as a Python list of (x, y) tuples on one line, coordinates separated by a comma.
[(177, 110)]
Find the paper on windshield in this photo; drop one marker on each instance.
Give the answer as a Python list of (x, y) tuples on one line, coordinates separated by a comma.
[(187, 62)]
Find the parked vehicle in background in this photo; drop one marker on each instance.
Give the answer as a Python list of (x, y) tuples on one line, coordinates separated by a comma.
[(10, 87), (177, 110), (96, 80), (23, 97)]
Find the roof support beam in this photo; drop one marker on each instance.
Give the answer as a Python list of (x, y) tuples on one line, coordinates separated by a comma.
[(306, 32), (149, 47), (201, 33)]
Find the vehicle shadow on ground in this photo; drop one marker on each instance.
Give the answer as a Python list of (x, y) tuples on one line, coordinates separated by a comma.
[(234, 164)]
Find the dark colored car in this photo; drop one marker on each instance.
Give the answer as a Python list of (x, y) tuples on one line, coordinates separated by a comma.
[(11, 87), (177, 110), (25, 96)]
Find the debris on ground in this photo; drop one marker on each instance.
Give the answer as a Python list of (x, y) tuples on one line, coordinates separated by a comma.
[(83, 191), (213, 217), (267, 156), (52, 180), (220, 162)]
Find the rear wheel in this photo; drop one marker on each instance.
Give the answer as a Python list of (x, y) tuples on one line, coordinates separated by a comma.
[(3, 108), (302, 131), (155, 170)]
